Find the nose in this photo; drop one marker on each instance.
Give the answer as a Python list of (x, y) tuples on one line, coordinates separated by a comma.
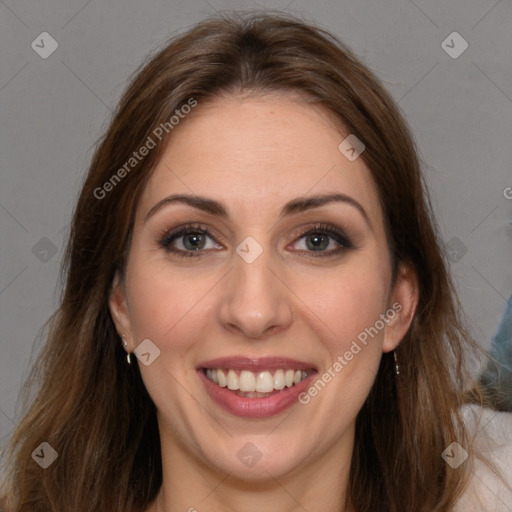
[(255, 301)]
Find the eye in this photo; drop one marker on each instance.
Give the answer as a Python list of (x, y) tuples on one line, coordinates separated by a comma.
[(188, 241), (324, 239), (192, 240)]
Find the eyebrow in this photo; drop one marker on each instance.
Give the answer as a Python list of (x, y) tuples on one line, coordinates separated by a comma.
[(294, 206)]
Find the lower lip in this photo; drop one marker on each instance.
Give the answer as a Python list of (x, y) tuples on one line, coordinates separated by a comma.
[(254, 407)]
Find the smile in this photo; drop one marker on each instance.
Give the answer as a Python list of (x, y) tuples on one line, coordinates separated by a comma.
[(255, 384), (255, 388)]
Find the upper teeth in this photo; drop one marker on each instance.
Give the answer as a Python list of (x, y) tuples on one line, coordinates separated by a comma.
[(262, 382)]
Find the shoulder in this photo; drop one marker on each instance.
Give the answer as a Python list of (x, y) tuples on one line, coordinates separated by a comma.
[(492, 434)]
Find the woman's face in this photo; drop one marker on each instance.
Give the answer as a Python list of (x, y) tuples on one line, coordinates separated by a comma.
[(284, 274)]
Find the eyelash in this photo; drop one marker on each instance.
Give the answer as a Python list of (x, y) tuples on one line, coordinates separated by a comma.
[(166, 238)]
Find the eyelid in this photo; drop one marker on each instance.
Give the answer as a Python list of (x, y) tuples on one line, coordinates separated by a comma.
[(335, 233), (167, 235), (331, 230)]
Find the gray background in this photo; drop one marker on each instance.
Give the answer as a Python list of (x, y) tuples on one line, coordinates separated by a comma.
[(53, 110)]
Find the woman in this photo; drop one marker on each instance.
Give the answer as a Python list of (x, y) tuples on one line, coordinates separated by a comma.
[(254, 232)]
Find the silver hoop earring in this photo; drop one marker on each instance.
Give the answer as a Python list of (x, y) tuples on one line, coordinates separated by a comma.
[(397, 366), (125, 345)]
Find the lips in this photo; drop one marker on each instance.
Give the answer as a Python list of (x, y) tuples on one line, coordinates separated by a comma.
[(255, 388)]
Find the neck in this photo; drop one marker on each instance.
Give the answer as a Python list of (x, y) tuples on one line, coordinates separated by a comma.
[(317, 485), (228, 494)]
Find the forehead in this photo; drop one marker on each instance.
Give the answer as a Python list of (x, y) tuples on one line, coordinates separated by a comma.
[(259, 152)]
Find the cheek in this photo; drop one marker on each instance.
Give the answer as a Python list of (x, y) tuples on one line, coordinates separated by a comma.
[(170, 309), (166, 306), (348, 302), (350, 327)]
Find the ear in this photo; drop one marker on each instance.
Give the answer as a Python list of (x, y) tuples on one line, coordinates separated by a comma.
[(402, 306), (119, 307)]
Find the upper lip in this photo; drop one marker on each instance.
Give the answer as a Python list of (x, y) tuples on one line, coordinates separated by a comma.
[(258, 364)]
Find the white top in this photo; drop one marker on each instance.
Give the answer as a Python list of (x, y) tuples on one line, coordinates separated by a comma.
[(486, 492)]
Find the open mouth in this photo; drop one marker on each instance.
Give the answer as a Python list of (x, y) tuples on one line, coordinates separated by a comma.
[(262, 384), (255, 387)]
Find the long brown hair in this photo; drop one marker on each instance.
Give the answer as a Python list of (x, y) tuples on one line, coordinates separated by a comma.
[(93, 408)]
